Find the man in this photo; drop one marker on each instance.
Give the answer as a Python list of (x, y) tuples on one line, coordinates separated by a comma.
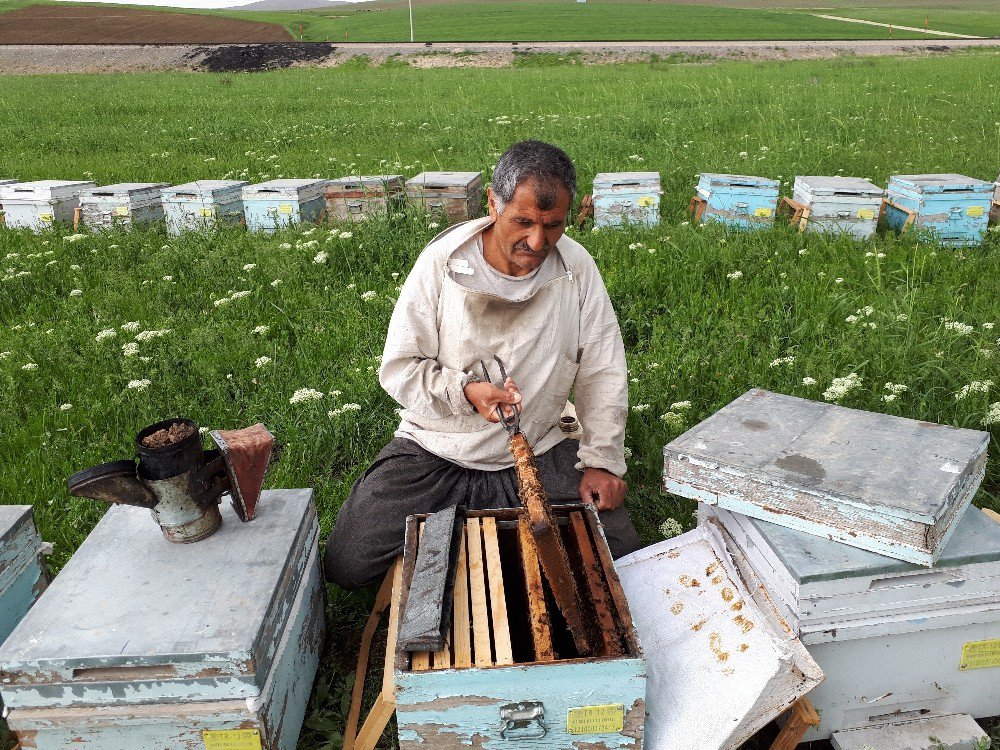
[(509, 287)]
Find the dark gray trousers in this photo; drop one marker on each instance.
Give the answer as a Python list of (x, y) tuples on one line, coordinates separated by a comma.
[(406, 479)]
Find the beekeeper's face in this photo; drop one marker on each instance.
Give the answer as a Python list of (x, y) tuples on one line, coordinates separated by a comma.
[(529, 225)]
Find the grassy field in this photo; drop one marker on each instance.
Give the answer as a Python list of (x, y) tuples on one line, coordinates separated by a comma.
[(613, 20), (705, 314)]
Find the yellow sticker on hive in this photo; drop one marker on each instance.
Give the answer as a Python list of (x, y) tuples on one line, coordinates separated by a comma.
[(121, 210), (596, 719), (45, 217), (866, 213), (231, 739), (974, 211), (285, 208), (206, 212), (763, 212), (980, 654), (646, 201)]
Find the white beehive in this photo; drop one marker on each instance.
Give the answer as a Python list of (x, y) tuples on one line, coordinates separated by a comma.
[(839, 205), (202, 204), (38, 205)]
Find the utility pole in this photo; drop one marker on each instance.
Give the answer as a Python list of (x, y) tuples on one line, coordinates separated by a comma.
[(410, 5)]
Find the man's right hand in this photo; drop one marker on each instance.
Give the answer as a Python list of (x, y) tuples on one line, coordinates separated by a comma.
[(485, 397)]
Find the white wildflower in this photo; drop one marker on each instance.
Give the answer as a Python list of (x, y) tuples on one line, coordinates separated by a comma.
[(803, 251), (435, 225), (902, 318), (348, 235), (131, 326), (74, 237), (249, 266), (808, 381), (369, 296), (168, 278), (671, 528), (305, 394), (852, 319), (276, 282), (139, 385), (4, 355), (992, 414), (154, 334), (976, 386), (838, 280), (680, 405), (321, 257), (262, 361), (627, 453), (889, 397), (74, 267), (107, 333), (335, 394), (635, 157), (782, 361), (222, 301), (285, 246), (735, 275), (52, 263), (960, 328), (309, 245), (76, 293), (635, 246), (672, 419), (896, 388), (29, 366), (65, 407), (261, 330), (640, 408), (130, 349), (988, 326), (840, 387)]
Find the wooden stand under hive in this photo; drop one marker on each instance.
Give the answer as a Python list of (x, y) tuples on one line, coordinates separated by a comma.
[(510, 670)]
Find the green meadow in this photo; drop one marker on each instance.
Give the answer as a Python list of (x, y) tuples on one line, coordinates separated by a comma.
[(101, 335)]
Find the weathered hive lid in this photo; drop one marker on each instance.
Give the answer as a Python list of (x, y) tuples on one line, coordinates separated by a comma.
[(145, 620), (710, 180), (126, 190), (367, 181), (303, 189), (838, 186), (622, 179), (884, 483), (44, 189), (19, 541), (203, 189), (444, 180), (940, 183)]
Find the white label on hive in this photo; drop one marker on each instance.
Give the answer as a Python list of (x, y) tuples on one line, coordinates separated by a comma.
[(231, 739), (866, 213), (646, 201), (763, 212), (596, 719), (121, 210), (975, 211), (980, 654), (285, 208)]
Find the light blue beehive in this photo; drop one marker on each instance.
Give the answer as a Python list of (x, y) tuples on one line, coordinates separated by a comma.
[(140, 644), (203, 203), (955, 208), (839, 205), (275, 204), (124, 205), (627, 197), (22, 573), (38, 205), (738, 201)]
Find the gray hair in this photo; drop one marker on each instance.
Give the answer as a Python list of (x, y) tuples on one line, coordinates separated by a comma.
[(546, 165)]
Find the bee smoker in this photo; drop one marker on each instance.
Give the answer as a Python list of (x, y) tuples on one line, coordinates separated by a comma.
[(181, 482)]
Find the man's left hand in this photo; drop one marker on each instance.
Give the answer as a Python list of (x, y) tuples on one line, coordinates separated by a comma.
[(602, 488)]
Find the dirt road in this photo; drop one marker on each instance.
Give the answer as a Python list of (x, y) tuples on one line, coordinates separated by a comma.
[(37, 59)]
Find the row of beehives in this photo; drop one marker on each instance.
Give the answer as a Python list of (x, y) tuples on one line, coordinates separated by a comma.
[(264, 207), (955, 208)]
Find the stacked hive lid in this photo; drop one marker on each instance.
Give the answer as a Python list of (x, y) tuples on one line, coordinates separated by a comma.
[(889, 485)]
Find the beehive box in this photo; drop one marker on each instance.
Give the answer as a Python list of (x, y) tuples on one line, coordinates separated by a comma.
[(140, 643), (202, 204), (2, 183), (23, 576), (627, 197), (363, 196), (38, 205), (886, 484), (892, 638), (510, 675), (739, 201), (123, 205), (839, 205), (452, 196), (955, 208), (272, 205)]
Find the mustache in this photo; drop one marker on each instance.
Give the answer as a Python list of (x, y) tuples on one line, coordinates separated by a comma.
[(523, 247)]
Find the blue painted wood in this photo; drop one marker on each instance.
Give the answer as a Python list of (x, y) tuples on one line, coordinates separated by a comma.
[(449, 708), (954, 208), (627, 198), (202, 204), (739, 201), (23, 577), (890, 485), (38, 205), (840, 205), (272, 205)]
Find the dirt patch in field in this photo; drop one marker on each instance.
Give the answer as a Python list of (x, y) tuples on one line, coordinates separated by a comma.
[(85, 24), (257, 57)]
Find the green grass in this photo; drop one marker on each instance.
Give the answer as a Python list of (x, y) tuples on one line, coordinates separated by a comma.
[(974, 22), (692, 332)]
